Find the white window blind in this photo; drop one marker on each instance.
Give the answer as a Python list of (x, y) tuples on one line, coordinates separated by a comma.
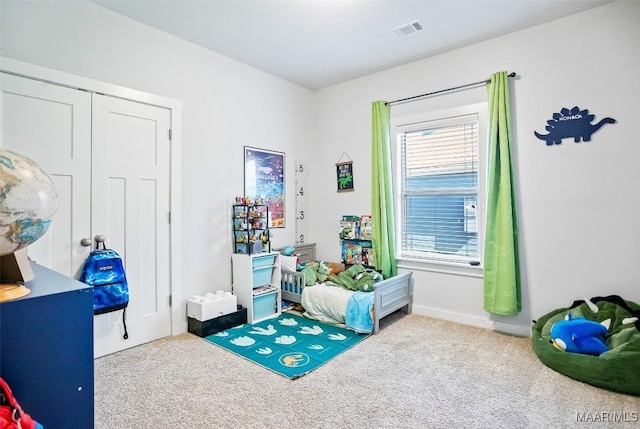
[(439, 175)]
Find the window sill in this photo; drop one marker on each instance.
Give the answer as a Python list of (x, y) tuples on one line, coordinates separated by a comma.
[(443, 267)]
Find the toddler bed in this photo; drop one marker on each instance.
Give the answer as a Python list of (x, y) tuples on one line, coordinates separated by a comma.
[(331, 304)]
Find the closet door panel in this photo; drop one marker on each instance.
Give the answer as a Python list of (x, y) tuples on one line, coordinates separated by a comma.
[(131, 159), (51, 125), (151, 300)]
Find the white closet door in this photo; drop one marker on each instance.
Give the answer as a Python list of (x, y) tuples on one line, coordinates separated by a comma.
[(51, 125), (109, 159), (130, 190)]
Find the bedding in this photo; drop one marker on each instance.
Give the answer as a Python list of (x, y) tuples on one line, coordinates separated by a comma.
[(325, 303), (358, 311), (338, 306)]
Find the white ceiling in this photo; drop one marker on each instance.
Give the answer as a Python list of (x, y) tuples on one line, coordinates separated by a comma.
[(318, 43)]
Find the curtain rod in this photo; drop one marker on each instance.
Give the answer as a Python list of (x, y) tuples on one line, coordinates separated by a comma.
[(389, 103)]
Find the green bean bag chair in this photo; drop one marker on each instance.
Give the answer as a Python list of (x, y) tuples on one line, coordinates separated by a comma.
[(617, 369)]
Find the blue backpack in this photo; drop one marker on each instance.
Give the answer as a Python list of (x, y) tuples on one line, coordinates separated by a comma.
[(103, 270)]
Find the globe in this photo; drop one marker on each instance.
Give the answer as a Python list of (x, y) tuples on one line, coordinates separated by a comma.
[(28, 201)]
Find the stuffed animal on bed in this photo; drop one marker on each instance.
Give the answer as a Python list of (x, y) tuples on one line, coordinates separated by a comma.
[(356, 277), (310, 273), (346, 278), (316, 272), (336, 267), (323, 271), (366, 279), (579, 335)]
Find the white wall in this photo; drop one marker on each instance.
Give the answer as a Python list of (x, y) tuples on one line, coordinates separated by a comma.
[(226, 105), (577, 201), (578, 205)]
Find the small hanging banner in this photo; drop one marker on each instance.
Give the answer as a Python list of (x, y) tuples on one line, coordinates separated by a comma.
[(345, 176), (344, 171)]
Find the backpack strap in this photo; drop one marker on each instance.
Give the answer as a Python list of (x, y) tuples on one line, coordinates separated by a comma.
[(124, 323), (100, 239)]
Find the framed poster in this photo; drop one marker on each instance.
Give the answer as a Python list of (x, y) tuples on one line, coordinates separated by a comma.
[(264, 179), (344, 171)]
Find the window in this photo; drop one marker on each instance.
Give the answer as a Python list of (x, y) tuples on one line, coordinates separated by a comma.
[(440, 185)]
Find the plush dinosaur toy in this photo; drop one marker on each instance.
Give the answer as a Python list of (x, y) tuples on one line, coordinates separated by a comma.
[(310, 271), (316, 272), (356, 277), (346, 278), (366, 279), (579, 335), (323, 271)]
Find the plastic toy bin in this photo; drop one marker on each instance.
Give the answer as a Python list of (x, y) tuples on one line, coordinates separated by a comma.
[(263, 261), (264, 305), (262, 276)]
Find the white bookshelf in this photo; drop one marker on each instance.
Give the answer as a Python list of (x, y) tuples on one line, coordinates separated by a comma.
[(256, 284)]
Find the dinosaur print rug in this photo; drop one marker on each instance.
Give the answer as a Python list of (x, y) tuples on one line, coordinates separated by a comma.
[(289, 345)]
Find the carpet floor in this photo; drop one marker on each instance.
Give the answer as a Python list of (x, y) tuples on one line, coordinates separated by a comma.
[(418, 372)]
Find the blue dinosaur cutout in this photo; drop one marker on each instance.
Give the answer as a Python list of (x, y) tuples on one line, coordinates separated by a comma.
[(574, 123)]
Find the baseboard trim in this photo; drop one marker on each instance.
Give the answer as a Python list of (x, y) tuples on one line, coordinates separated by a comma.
[(451, 316), (478, 321), (511, 329), (182, 328)]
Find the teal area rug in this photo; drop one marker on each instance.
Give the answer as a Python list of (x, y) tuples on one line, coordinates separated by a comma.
[(289, 345)]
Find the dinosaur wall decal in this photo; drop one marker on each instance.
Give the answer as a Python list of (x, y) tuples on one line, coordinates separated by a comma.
[(574, 123)]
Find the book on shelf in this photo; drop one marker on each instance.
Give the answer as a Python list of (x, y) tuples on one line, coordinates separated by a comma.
[(349, 227), (287, 305), (262, 290), (367, 257), (366, 233), (357, 252)]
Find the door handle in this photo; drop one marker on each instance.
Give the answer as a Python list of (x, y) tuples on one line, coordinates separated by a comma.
[(85, 242)]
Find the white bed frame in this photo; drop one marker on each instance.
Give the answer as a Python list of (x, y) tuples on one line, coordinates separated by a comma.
[(390, 294)]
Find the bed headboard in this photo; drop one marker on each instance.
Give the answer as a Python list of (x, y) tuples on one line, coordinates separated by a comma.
[(305, 252)]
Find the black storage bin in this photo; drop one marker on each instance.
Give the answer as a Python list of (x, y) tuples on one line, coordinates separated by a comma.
[(217, 324)]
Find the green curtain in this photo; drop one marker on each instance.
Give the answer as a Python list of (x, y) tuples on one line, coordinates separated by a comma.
[(501, 270), (383, 222)]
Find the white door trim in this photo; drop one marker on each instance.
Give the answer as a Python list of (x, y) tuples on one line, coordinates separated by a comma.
[(33, 71)]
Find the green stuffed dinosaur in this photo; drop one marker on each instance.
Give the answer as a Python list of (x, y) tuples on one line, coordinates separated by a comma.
[(345, 278), (355, 278), (366, 279), (310, 273), (323, 271), (316, 272)]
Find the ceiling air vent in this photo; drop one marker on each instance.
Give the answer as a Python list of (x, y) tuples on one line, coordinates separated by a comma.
[(408, 29)]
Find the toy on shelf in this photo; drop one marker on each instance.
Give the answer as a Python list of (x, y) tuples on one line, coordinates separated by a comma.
[(249, 225), (356, 240)]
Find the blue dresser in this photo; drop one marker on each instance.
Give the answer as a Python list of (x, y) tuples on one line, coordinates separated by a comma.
[(46, 350)]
